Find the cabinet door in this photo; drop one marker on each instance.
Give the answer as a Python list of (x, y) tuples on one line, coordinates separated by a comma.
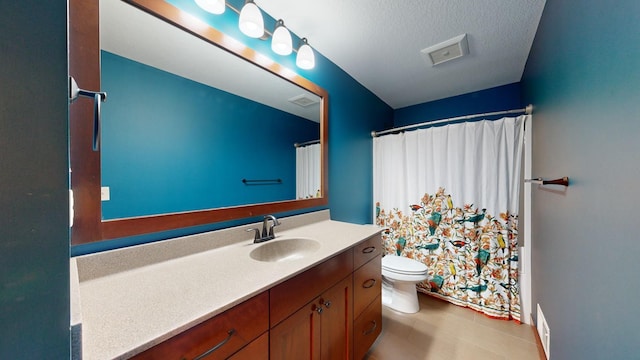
[(337, 321), (297, 337)]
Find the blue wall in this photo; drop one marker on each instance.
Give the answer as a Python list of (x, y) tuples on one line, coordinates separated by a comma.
[(582, 77), (157, 123), (506, 97), (34, 181), (353, 113)]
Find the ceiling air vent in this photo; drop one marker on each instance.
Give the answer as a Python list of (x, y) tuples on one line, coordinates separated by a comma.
[(446, 50), (303, 100)]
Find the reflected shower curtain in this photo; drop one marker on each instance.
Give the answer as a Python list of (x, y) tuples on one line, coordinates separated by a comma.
[(308, 171), (448, 197)]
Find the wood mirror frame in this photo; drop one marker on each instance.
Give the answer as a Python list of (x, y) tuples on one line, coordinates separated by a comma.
[(84, 66)]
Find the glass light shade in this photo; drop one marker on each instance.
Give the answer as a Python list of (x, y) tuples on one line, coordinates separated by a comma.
[(212, 6), (305, 59), (281, 40), (251, 22)]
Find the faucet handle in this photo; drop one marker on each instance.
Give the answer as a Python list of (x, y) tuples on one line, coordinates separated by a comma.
[(256, 236), (275, 223)]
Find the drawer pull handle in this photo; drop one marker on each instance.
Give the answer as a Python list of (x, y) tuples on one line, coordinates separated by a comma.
[(373, 328), (368, 249), (367, 284), (230, 333)]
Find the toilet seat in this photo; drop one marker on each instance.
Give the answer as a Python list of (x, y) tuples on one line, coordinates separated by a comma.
[(403, 266)]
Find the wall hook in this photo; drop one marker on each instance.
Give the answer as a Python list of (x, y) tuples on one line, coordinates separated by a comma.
[(564, 181)]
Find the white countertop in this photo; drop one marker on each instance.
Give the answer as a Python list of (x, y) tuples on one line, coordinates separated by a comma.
[(126, 312)]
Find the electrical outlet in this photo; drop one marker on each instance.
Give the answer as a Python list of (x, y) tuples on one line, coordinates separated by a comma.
[(105, 194)]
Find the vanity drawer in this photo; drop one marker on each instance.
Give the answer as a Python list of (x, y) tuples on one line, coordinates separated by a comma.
[(367, 250), (367, 284), (258, 349), (230, 331), (366, 328), (289, 296)]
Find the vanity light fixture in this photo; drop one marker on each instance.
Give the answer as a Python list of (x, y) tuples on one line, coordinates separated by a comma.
[(305, 59), (251, 22), (281, 39), (213, 6)]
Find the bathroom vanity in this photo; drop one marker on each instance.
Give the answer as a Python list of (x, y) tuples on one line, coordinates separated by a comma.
[(204, 296), (209, 295)]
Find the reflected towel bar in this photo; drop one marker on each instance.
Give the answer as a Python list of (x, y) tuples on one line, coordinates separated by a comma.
[(564, 181), (262, 181)]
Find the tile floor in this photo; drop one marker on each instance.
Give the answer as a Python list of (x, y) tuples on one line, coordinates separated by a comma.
[(445, 331)]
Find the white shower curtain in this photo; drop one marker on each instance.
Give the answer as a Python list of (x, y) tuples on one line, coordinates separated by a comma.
[(308, 171), (449, 198)]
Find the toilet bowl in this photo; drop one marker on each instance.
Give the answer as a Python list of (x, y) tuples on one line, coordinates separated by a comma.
[(399, 278)]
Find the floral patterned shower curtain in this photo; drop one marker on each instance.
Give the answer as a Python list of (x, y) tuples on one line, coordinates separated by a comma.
[(448, 197)]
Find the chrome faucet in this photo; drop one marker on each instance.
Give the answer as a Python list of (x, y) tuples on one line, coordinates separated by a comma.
[(267, 231), (270, 235)]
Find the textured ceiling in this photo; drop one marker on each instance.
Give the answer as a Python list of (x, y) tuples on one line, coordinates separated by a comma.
[(378, 42)]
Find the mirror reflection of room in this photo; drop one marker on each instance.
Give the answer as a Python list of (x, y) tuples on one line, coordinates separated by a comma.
[(177, 129)]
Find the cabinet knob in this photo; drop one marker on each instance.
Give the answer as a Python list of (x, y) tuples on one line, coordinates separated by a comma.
[(318, 309), (326, 303)]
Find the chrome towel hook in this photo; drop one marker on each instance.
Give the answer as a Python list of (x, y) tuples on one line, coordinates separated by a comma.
[(98, 97)]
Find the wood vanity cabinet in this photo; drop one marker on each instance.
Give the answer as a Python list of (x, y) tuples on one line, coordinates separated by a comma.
[(227, 333), (367, 295), (320, 330), (314, 332), (330, 311), (311, 314)]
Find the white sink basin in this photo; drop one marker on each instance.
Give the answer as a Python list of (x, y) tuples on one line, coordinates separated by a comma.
[(284, 249)]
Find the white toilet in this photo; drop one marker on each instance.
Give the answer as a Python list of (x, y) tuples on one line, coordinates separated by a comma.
[(399, 278)]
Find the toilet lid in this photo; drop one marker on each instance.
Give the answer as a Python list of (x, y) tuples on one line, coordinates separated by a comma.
[(403, 265)]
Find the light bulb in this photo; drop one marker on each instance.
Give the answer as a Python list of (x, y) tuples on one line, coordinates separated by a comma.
[(281, 40), (212, 6), (251, 22), (305, 59)]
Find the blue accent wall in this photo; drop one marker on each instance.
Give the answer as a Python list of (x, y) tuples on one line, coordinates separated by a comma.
[(34, 181), (156, 123), (505, 97), (583, 79), (354, 112)]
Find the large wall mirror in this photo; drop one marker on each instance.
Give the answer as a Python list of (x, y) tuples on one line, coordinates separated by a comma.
[(196, 129)]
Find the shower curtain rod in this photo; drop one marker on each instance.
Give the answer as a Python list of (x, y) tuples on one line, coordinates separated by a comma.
[(306, 143), (527, 110)]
